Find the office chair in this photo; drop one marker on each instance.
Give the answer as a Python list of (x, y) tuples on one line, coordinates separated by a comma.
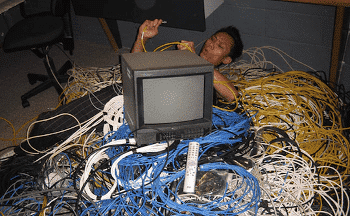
[(45, 23)]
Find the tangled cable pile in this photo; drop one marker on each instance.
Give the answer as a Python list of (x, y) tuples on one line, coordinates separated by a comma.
[(297, 102), (302, 106), (116, 177), (282, 152), (239, 174), (306, 109), (83, 81), (291, 181)]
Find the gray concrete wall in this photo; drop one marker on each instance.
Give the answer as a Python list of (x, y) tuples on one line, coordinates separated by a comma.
[(303, 31)]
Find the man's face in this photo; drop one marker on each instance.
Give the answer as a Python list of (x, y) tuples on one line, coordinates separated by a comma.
[(216, 48)]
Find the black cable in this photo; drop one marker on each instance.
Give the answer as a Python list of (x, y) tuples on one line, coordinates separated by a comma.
[(17, 167), (21, 207), (318, 76)]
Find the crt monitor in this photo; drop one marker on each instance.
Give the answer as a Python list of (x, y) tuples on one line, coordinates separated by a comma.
[(167, 95)]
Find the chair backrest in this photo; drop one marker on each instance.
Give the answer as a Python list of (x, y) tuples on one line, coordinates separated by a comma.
[(59, 8), (52, 7), (35, 7)]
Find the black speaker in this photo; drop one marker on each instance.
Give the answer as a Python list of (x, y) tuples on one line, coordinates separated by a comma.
[(184, 14)]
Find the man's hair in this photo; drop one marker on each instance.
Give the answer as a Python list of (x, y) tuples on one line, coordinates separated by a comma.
[(237, 48)]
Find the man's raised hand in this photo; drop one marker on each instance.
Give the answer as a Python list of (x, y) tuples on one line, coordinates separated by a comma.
[(149, 28)]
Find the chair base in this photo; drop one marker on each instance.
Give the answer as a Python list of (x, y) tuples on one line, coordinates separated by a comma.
[(47, 80)]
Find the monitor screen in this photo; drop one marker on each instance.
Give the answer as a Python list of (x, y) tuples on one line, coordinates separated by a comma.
[(173, 99)]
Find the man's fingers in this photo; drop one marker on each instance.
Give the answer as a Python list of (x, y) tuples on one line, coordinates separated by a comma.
[(181, 47), (155, 23), (159, 22), (186, 45)]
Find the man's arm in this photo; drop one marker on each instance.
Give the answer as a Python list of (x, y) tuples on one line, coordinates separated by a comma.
[(224, 87), (147, 30), (137, 47)]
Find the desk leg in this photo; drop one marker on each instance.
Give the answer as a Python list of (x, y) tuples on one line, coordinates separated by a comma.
[(109, 34), (338, 25)]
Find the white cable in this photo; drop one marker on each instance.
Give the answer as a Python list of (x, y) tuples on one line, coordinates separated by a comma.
[(91, 79), (258, 60), (91, 123), (94, 159), (53, 74), (49, 134), (290, 180)]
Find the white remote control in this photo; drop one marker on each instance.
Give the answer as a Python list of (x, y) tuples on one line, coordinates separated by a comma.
[(191, 167)]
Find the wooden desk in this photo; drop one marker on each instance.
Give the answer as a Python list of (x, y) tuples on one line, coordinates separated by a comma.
[(338, 25), (343, 3)]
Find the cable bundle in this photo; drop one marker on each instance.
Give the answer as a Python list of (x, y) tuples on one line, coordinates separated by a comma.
[(134, 173), (241, 196), (306, 108), (299, 103), (148, 179), (255, 60), (291, 184), (295, 156), (88, 80), (288, 182)]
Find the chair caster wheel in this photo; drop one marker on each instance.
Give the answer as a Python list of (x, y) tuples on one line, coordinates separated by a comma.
[(25, 103)]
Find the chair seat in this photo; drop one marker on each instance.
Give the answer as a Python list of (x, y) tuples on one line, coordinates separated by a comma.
[(33, 32)]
